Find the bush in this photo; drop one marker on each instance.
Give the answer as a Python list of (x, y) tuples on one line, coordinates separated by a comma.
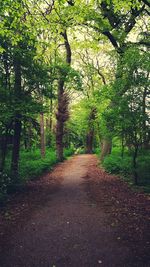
[(115, 164), (97, 151), (68, 152), (32, 165)]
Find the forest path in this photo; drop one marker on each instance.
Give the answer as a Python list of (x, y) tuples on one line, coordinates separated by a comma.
[(69, 227)]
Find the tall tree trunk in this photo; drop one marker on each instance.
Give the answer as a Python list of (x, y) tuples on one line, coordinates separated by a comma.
[(89, 141), (29, 135), (17, 120), (145, 139), (62, 111), (49, 124), (60, 122), (122, 145), (16, 147), (42, 131), (51, 115), (4, 139), (135, 173), (90, 134), (62, 116), (106, 148), (25, 136), (4, 142)]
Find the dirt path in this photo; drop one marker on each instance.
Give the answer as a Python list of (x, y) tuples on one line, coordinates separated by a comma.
[(67, 219)]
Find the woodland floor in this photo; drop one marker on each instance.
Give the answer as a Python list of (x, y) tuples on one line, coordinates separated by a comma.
[(77, 215)]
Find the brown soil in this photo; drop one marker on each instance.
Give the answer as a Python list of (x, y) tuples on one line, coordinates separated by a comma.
[(77, 215)]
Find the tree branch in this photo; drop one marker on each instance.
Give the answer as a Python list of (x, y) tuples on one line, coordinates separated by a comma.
[(111, 39), (100, 73), (146, 2), (67, 46)]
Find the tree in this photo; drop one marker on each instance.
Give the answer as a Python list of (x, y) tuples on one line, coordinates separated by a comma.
[(131, 120), (115, 21), (18, 49), (63, 100)]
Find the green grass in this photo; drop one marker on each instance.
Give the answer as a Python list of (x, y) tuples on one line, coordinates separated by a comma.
[(31, 166), (115, 164), (68, 152), (97, 151)]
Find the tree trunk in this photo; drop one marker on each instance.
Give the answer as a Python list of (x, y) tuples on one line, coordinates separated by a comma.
[(42, 131), (49, 124), (62, 111), (135, 165), (90, 134), (60, 121), (16, 147), (17, 120), (4, 142), (51, 115), (106, 148), (145, 137), (25, 136), (59, 140), (89, 141), (29, 135), (4, 139), (122, 146)]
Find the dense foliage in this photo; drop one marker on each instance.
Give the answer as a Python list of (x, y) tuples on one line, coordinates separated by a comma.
[(74, 75)]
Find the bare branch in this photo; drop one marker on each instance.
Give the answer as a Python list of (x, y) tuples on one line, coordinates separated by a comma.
[(100, 73)]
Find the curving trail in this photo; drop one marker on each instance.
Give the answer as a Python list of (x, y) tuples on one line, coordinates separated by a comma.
[(69, 227)]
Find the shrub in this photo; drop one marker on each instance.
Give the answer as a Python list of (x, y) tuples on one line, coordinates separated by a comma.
[(97, 151), (116, 164), (32, 165), (68, 152)]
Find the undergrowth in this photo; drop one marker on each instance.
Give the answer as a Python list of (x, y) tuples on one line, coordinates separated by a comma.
[(116, 164), (31, 166)]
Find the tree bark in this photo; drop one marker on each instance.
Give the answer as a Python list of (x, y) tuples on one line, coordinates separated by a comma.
[(42, 132), (60, 122), (62, 110), (4, 142), (145, 136), (135, 173), (16, 147), (122, 146), (89, 142), (106, 148), (17, 120), (90, 134), (50, 124), (51, 115)]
